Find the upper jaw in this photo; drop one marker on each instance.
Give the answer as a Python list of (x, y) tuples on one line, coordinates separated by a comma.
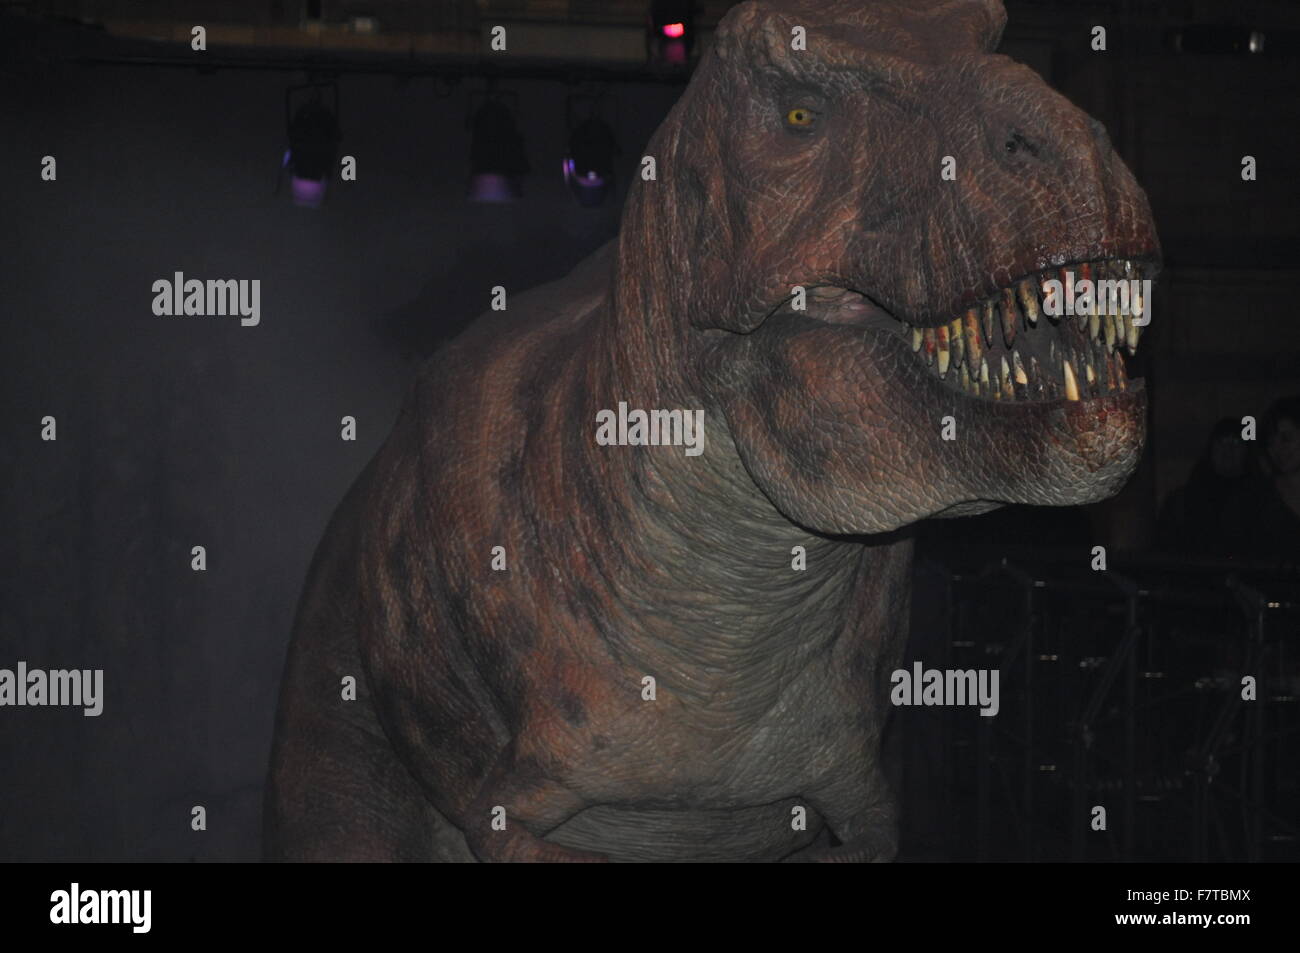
[(1007, 346)]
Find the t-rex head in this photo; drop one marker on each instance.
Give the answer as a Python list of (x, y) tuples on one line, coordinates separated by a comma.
[(921, 189)]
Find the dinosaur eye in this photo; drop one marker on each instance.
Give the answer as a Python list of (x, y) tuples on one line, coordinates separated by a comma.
[(801, 117)]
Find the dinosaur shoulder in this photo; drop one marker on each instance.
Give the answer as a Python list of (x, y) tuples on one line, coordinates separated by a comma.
[(480, 396)]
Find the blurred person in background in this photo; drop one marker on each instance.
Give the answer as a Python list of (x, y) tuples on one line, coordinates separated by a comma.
[(1262, 518)]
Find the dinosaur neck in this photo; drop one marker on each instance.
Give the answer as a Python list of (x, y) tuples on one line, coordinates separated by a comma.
[(700, 566)]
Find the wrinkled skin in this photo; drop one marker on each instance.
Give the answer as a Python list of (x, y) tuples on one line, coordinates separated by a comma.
[(522, 689)]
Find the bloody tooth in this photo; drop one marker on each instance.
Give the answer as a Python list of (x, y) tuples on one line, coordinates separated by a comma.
[(1008, 314), (941, 339), (928, 337), (1009, 305), (974, 346), (956, 342)]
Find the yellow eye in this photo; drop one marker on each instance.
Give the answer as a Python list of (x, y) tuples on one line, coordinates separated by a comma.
[(800, 116)]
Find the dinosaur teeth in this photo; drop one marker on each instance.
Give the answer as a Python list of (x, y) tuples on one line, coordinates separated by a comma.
[(986, 317), (1009, 305), (1008, 315), (1039, 386), (1028, 300), (1071, 385), (1032, 359), (1021, 385), (974, 345)]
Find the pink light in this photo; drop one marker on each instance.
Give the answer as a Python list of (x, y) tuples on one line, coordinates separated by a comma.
[(674, 29)]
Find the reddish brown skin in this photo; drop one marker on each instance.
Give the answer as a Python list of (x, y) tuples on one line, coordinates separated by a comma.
[(522, 689)]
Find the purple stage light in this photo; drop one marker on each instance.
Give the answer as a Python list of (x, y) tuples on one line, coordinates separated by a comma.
[(492, 187), (307, 193)]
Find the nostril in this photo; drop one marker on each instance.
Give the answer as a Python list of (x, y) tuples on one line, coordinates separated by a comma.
[(1018, 141)]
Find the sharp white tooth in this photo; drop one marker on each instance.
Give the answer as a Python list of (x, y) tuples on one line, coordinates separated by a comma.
[(1019, 367), (1071, 385), (1087, 369), (1112, 324), (984, 372), (917, 338)]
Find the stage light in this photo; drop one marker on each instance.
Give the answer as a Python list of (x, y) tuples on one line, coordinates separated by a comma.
[(589, 166), (670, 32), (497, 158), (314, 135)]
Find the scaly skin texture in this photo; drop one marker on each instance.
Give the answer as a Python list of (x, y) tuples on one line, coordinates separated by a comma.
[(522, 689)]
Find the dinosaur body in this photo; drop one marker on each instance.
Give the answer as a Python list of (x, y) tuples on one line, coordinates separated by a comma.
[(503, 713)]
